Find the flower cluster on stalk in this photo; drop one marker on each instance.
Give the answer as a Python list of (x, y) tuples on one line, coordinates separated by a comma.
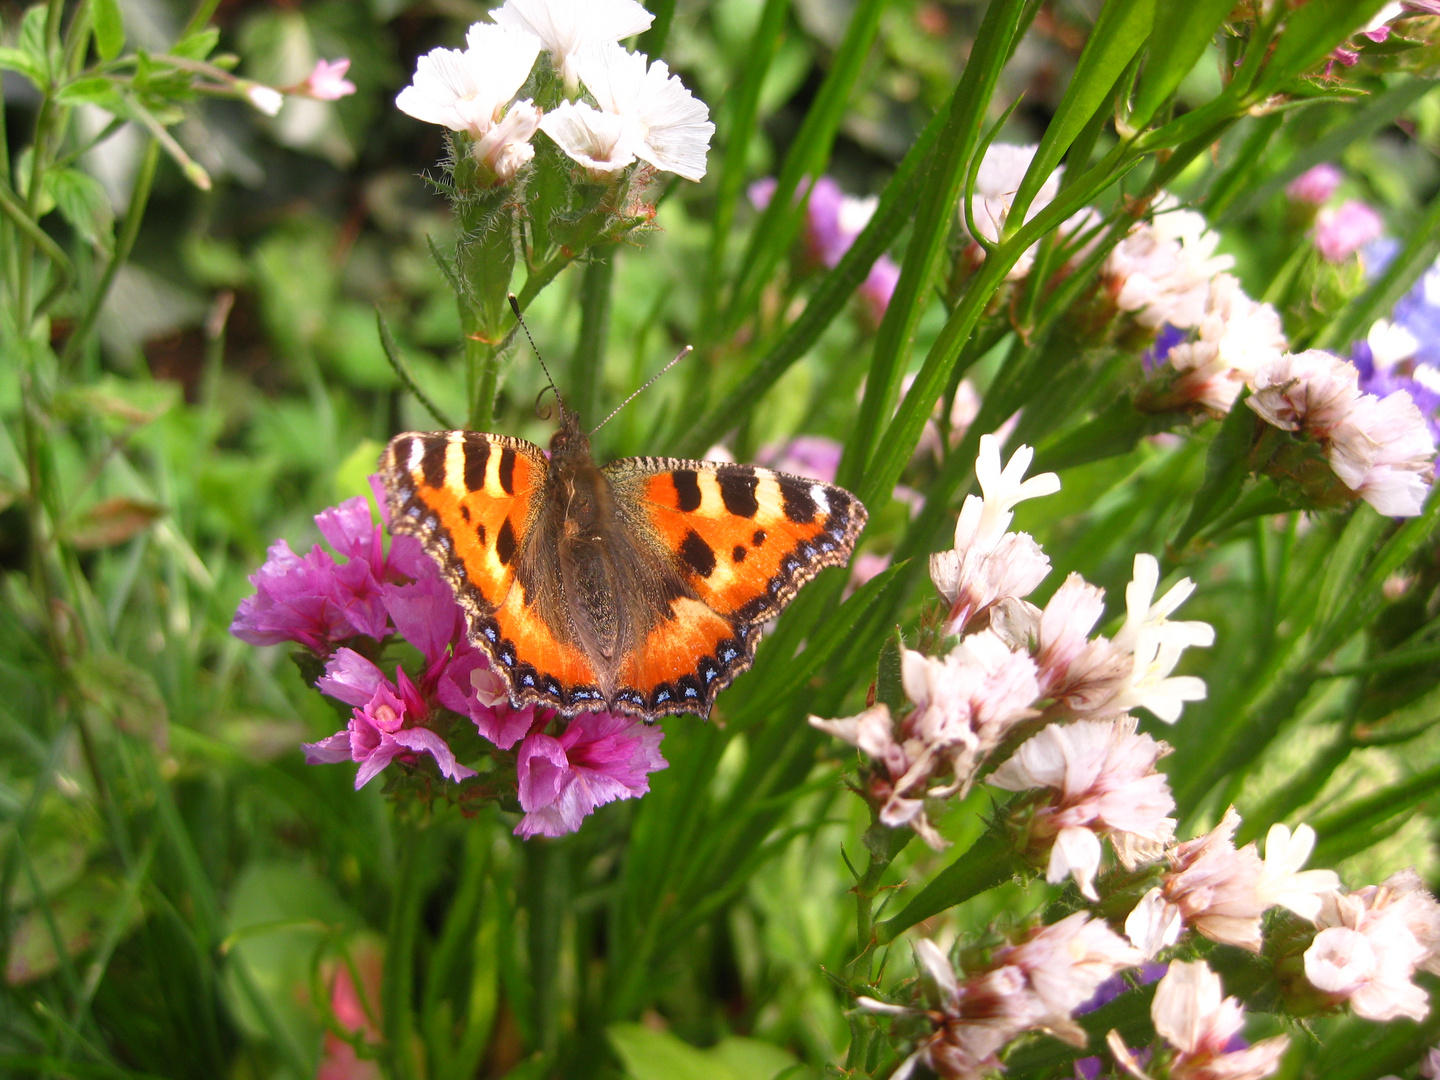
[(351, 609), (631, 109), (1032, 702)]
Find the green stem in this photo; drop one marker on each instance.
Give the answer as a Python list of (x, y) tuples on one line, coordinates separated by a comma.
[(124, 242), (482, 366), (884, 843), (596, 289)]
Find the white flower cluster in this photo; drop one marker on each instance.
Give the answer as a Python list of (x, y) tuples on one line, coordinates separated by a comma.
[(1011, 661), (636, 110)]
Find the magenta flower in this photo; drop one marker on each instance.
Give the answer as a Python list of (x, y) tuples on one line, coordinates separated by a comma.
[(384, 722), (327, 82), (812, 456), (599, 758), (471, 688), (879, 286), (316, 601), (1315, 185), (1342, 230)]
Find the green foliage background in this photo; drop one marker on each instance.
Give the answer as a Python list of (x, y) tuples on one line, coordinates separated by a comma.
[(191, 368)]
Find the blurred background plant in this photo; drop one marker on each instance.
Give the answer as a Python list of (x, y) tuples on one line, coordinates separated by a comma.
[(198, 226)]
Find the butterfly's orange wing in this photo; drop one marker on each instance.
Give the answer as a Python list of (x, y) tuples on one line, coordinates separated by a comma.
[(744, 539), (473, 501)]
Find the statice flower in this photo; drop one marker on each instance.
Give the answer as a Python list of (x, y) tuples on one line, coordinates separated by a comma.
[(1202, 1026), (996, 182), (1034, 985), (1105, 783), (318, 601), (1372, 942), (1235, 337), (567, 27), (965, 704), (1380, 448), (1222, 891), (1402, 352), (1341, 231), (989, 564), (1161, 271), (833, 219), (327, 81), (597, 759), (1315, 185), (472, 92), (644, 112), (387, 721)]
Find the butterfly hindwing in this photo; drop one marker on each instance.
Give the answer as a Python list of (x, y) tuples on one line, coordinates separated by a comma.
[(474, 502), (744, 539)]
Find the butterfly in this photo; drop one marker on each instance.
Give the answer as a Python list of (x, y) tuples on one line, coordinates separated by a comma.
[(639, 586)]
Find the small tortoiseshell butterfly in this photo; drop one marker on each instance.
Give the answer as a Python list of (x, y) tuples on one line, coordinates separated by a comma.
[(638, 587)]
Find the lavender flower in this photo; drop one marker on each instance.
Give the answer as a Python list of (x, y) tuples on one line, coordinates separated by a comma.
[(1342, 230), (1315, 185)]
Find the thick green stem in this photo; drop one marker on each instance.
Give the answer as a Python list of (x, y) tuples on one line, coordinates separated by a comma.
[(583, 387)]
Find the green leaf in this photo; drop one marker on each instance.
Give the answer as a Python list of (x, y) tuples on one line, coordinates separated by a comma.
[(1119, 32), (1182, 31), (30, 42), (92, 90), (985, 864), (82, 202), (197, 45), (109, 28), (649, 1054), (20, 61), (1226, 466)]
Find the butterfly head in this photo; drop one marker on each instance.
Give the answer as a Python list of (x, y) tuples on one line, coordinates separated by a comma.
[(571, 440)]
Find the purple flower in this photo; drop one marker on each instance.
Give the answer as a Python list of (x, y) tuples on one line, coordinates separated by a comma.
[(316, 601), (879, 285), (812, 456), (1342, 230), (471, 688), (383, 723), (599, 758), (1315, 185)]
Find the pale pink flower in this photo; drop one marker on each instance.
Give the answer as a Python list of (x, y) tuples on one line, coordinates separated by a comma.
[(1315, 185), (965, 703), (1157, 645), (1371, 943), (988, 563), (265, 98), (1342, 230), (1192, 1014), (1036, 984), (996, 182), (1380, 448), (1236, 336), (566, 27), (1210, 886), (1283, 882), (1162, 270), (1430, 1067), (1314, 390), (1082, 673), (327, 81), (1105, 782), (597, 759)]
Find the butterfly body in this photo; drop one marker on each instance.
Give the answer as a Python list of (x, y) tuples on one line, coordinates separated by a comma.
[(638, 587)]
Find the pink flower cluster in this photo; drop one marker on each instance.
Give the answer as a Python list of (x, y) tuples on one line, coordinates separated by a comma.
[(1380, 448), (1012, 662), (347, 609), (1035, 985)]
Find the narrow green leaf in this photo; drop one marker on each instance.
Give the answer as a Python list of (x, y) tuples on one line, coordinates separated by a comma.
[(808, 156), (1119, 32), (109, 28), (1182, 31), (18, 60), (988, 862), (1226, 465), (1337, 828), (197, 45), (964, 117), (30, 41)]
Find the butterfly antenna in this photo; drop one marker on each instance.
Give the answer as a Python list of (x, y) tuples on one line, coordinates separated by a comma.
[(515, 307), (648, 382)]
